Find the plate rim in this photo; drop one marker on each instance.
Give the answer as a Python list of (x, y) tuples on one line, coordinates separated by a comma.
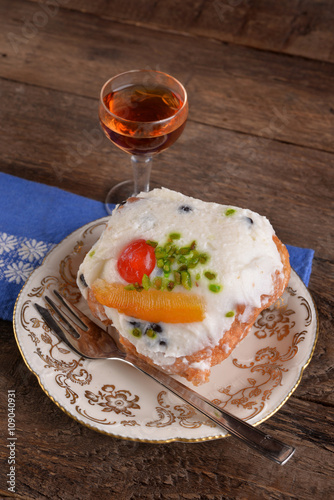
[(144, 440)]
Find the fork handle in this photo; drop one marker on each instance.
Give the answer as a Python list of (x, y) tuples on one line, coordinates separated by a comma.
[(266, 445)]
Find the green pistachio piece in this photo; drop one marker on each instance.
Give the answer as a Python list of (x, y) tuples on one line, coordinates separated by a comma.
[(215, 288), (186, 280), (171, 251), (210, 275), (177, 277), (174, 236), (157, 282), (153, 244), (160, 253), (151, 333), (130, 287), (136, 332), (203, 258), (193, 261), (229, 314), (184, 267), (160, 263), (146, 282), (230, 211), (166, 267)]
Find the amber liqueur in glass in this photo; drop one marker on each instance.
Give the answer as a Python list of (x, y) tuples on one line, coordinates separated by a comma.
[(134, 108)]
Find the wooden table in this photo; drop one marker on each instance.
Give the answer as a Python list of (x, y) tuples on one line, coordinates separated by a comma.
[(260, 79)]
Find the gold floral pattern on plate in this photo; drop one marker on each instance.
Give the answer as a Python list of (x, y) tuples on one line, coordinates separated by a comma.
[(113, 398)]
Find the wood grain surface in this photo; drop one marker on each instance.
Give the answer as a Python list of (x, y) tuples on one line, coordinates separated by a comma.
[(260, 80)]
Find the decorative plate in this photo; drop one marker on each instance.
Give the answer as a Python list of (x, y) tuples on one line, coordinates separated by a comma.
[(116, 399)]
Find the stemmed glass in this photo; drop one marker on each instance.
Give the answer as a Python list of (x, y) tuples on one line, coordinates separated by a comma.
[(142, 112)]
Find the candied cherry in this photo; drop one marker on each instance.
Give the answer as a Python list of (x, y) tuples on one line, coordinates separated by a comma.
[(136, 259)]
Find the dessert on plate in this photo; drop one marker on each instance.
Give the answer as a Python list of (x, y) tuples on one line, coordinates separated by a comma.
[(183, 280)]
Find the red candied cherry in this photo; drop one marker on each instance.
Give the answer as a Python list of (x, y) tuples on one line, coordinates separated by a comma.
[(136, 259)]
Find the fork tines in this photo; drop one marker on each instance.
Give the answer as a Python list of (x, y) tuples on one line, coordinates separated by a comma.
[(71, 325)]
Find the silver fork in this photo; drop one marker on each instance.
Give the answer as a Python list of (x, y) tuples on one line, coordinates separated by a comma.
[(87, 339)]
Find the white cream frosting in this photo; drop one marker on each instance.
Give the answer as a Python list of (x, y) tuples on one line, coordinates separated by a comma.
[(242, 254)]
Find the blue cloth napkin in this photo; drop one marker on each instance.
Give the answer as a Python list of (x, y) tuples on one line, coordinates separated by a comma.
[(34, 217)]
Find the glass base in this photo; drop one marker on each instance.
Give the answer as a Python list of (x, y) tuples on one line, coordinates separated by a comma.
[(121, 192)]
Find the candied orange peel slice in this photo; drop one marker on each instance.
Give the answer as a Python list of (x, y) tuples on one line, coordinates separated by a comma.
[(150, 305)]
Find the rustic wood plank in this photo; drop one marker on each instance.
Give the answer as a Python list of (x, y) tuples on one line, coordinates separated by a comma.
[(262, 94), (303, 28)]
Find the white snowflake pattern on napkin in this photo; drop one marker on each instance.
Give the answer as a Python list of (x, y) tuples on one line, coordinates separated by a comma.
[(20, 256)]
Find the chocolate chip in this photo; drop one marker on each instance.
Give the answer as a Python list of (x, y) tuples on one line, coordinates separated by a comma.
[(135, 324), (83, 281), (156, 327), (185, 208), (163, 343), (250, 220)]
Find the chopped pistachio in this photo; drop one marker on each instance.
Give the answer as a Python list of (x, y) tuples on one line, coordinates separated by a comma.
[(215, 288), (230, 211), (171, 250), (151, 333), (170, 285), (92, 253), (130, 287), (153, 244), (193, 261), (160, 253), (210, 275), (157, 282), (186, 280), (229, 314), (166, 267), (164, 281), (184, 267), (170, 255), (195, 254), (203, 258), (146, 282), (136, 332), (177, 277), (174, 236)]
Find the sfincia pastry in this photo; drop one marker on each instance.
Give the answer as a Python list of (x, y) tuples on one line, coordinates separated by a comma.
[(183, 280)]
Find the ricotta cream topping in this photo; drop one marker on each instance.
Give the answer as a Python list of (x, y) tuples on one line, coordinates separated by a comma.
[(242, 256)]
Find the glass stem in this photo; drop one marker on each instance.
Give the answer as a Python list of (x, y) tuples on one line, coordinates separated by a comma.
[(141, 166)]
